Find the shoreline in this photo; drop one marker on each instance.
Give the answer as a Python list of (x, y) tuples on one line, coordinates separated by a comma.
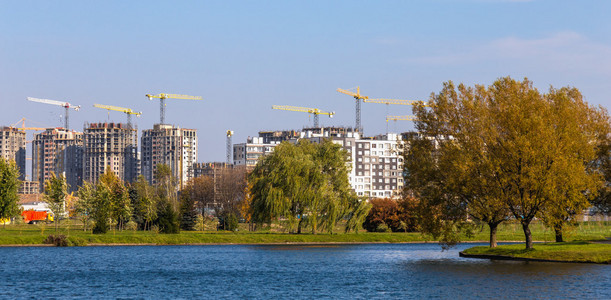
[(515, 258), (248, 244)]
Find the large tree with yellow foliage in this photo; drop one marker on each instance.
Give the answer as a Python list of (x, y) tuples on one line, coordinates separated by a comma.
[(504, 150)]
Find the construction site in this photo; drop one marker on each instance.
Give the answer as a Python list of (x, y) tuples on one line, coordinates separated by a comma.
[(85, 156)]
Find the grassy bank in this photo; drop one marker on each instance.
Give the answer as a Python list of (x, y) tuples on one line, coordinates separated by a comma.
[(577, 251), (25, 234)]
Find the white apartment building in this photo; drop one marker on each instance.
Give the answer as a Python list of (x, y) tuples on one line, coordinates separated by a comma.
[(247, 154), (376, 164)]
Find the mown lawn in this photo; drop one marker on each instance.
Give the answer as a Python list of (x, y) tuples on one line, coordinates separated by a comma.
[(26, 234), (576, 251)]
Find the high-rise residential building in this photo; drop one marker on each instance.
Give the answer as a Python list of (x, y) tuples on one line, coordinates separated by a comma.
[(247, 154), (28, 187), (376, 164), (112, 145), (59, 151), (172, 146), (12, 147)]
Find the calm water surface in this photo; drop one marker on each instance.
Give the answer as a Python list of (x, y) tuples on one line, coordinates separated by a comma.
[(264, 272)]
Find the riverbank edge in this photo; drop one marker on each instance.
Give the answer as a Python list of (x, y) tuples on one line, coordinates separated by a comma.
[(516, 258), (245, 244)]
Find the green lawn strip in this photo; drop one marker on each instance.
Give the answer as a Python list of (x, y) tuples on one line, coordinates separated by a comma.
[(25, 234), (576, 251)]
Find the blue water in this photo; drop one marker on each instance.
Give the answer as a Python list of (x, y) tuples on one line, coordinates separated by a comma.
[(412, 271)]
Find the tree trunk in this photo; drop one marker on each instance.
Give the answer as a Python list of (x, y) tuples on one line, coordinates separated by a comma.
[(493, 228), (527, 235), (299, 225), (558, 231)]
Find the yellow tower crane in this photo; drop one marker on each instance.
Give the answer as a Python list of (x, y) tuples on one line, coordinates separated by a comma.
[(128, 111), (358, 97), (314, 111), (24, 128), (399, 118), (162, 98)]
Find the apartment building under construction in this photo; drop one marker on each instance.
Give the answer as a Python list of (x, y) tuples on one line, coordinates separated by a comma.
[(113, 145), (12, 147), (59, 151), (172, 146)]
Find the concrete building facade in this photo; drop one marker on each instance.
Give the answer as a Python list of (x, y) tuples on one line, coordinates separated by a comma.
[(247, 154), (376, 164), (59, 151), (12, 147), (28, 187), (111, 145), (172, 146)]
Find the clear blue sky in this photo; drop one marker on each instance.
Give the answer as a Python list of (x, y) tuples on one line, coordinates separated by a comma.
[(244, 56)]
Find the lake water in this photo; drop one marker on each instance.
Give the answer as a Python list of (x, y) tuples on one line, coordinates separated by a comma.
[(292, 271)]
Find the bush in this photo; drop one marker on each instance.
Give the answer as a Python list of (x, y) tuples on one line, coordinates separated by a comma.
[(390, 214), (229, 222), (58, 240), (101, 227), (199, 222), (131, 225), (382, 228)]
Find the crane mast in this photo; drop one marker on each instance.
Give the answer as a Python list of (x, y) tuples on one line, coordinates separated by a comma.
[(229, 144), (358, 97), (315, 111), (162, 98), (128, 111), (65, 105)]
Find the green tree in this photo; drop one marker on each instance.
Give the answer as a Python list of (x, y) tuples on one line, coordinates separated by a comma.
[(120, 209), (168, 218), (85, 202), (143, 205), (9, 185), (56, 190), (503, 148), (305, 183), (602, 202), (101, 207), (188, 208)]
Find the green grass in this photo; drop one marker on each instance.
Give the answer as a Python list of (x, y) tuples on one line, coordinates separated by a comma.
[(25, 234), (577, 251)]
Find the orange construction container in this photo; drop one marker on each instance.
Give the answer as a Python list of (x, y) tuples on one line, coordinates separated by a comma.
[(32, 216)]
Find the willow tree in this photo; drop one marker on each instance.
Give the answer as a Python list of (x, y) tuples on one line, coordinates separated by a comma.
[(507, 147), (305, 183)]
